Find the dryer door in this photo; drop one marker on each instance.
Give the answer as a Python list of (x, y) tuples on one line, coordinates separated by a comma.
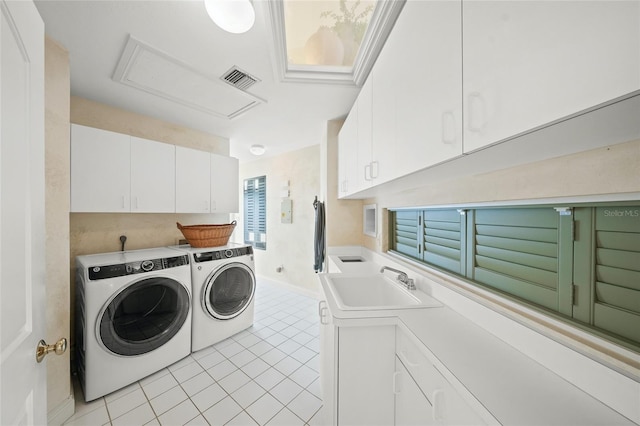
[(144, 316), (229, 291)]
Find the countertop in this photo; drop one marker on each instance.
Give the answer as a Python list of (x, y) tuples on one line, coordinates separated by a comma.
[(514, 388)]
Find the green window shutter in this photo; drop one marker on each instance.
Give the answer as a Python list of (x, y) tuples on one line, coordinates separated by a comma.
[(617, 271), (405, 232), (515, 250), (443, 239)]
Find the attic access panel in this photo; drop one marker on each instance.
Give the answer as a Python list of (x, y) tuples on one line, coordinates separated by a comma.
[(158, 73)]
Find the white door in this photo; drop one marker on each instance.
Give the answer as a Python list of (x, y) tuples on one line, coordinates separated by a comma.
[(193, 181), (22, 276)]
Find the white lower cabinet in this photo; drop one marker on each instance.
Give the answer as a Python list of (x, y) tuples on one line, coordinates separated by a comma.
[(357, 365), (412, 406), (446, 405)]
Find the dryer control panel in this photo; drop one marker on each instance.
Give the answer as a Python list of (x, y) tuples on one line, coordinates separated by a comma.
[(226, 253), (102, 272)]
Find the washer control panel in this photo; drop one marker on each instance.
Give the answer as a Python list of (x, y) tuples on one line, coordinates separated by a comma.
[(148, 265), (227, 253)]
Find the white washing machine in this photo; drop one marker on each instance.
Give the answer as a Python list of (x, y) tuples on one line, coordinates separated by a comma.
[(133, 316), (223, 286)]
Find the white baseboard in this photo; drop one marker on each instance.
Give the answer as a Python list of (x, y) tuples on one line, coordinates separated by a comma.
[(63, 412), (294, 288)]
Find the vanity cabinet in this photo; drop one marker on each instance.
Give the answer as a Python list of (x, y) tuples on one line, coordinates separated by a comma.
[(153, 176), (100, 170), (357, 364), (530, 63)]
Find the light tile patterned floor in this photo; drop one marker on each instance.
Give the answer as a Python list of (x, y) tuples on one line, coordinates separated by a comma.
[(267, 374)]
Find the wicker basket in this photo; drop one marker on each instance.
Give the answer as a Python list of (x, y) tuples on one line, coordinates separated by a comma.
[(207, 235)]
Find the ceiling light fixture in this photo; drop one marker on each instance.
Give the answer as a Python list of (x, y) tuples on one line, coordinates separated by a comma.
[(234, 16), (257, 149)]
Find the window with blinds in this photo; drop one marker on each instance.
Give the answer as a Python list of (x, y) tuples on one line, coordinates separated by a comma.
[(617, 271), (255, 212), (582, 262)]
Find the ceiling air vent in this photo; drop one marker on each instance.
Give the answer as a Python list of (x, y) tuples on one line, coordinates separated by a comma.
[(240, 79)]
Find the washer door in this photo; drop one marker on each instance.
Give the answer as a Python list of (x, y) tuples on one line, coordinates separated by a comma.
[(229, 291), (144, 316)]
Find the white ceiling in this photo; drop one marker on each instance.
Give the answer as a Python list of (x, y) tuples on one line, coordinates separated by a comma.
[(95, 33)]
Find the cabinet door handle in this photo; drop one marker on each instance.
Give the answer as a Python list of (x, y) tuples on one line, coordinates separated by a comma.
[(437, 398), (477, 109), (448, 128), (135, 202), (367, 176), (395, 389), (213, 206), (322, 309), (374, 175), (122, 202)]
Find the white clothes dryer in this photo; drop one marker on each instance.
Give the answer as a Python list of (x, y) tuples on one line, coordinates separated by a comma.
[(223, 286), (133, 316)]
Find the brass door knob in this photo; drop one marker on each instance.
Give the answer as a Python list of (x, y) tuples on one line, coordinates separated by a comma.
[(43, 349)]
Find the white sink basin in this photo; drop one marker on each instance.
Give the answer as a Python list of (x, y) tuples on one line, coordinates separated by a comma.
[(370, 292)]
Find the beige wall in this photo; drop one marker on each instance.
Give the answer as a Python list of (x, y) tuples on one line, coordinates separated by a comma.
[(59, 390), (289, 245), (101, 116)]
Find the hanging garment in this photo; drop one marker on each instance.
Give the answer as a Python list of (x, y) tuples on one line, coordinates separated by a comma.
[(318, 241)]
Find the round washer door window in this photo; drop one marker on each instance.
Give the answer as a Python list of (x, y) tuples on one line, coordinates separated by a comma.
[(144, 316), (229, 291)]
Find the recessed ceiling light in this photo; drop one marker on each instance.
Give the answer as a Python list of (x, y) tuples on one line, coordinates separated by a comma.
[(234, 16), (257, 149)]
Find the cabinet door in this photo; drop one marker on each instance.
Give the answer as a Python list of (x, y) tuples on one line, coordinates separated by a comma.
[(429, 104), (412, 406), (328, 362), (365, 169), (347, 154), (385, 162), (225, 187), (100, 170), (193, 181), (153, 174), (366, 363), (529, 63)]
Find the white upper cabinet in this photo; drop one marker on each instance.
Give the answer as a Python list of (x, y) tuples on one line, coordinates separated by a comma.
[(193, 181), (153, 176), (225, 187), (347, 154), (530, 63), (426, 76), (366, 169), (100, 170)]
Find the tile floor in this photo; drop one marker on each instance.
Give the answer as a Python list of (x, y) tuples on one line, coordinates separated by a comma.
[(265, 375)]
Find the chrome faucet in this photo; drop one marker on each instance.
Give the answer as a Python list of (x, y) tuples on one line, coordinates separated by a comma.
[(402, 278)]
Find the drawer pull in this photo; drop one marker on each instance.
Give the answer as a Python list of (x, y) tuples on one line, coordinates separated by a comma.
[(437, 398), (403, 356), (322, 309)]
